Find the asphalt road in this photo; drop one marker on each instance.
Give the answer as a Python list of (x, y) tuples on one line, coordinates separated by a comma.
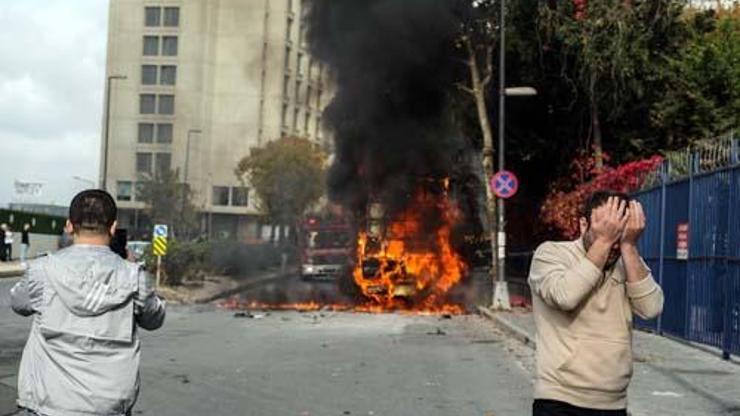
[(292, 363), (207, 361)]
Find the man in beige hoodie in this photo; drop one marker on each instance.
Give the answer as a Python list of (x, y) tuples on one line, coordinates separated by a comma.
[(584, 293)]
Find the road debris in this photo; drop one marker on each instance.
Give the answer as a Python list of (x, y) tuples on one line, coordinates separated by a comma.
[(438, 332)]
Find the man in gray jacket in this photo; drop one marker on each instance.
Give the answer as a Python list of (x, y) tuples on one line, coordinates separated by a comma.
[(82, 355)]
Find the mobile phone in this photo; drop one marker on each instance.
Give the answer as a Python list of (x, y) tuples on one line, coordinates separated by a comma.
[(118, 243)]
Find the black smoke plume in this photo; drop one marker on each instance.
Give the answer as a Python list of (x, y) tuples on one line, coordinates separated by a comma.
[(393, 64)]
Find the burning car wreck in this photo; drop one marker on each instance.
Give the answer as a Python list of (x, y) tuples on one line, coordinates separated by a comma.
[(407, 260)]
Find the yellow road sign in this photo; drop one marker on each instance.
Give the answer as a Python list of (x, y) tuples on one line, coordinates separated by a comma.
[(160, 245)]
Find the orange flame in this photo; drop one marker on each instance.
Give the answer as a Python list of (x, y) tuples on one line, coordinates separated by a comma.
[(412, 270)]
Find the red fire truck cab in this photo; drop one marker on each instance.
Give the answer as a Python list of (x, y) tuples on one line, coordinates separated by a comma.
[(325, 244)]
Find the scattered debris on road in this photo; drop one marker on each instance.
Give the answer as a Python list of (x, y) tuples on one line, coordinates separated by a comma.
[(438, 332)]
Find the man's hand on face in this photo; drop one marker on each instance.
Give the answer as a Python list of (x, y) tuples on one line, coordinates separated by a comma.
[(635, 225), (608, 222)]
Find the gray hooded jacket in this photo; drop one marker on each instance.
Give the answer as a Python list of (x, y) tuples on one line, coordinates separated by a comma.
[(82, 355)]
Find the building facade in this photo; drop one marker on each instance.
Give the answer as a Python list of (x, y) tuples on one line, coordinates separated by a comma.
[(193, 85)]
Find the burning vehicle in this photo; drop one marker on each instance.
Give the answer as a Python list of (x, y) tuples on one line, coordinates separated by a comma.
[(406, 259)]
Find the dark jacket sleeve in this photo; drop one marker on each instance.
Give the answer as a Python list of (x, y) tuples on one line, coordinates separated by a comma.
[(149, 309)]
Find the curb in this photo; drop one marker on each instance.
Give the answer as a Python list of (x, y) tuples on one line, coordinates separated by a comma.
[(12, 272), (507, 326), (274, 277)]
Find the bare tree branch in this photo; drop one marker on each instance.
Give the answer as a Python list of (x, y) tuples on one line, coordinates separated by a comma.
[(465, 88), (488, 74)]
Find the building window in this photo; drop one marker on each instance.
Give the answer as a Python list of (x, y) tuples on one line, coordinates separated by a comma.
[(240, 196), (317, 126), (152, 15), (172, 16), (169, 46), (307, 121), (166, 104), (164, 133), (220, 196), (146, 132), (144, 163), (163, 163), (318, 98), (151, 45), (309, 95), (123, 190), (284, 116), (295, 119), (287, 58), (146, 103), (289, 30), (286, 84), (299, 64), (148, 74), (168, 75)]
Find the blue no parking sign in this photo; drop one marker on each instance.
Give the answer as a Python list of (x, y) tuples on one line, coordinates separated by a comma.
[(504, 184)]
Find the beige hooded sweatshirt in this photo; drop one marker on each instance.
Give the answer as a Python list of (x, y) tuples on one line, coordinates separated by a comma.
[(584, 325)]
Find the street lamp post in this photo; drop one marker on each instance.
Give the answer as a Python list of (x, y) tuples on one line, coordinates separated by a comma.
[(104, 179), (501, 289), (187, 167), (187, 153)]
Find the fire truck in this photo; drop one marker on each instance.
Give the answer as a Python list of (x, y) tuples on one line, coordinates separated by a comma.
[(325, 244)]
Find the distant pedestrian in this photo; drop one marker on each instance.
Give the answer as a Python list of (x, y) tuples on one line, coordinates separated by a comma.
[(584, 293), (82, 355), (8, 243), (3, 247), (25, 243)]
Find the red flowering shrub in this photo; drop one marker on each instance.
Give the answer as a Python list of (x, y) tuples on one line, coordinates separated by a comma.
[(560, 211)]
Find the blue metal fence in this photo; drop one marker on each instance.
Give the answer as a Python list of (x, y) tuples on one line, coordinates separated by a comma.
[(702, 290)]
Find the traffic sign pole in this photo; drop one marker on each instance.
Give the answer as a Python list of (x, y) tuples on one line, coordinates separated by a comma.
[(159, 247), (159, 269), (505, 185)]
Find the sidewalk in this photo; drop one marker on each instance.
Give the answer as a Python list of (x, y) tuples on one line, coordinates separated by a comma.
[(11, 269), (670, 378)]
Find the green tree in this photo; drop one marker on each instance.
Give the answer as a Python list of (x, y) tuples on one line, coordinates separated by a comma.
[(612, 53), (288, 176), (703, 95), (169, 201)]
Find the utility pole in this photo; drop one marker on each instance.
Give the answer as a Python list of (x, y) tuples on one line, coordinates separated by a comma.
[(104, 178), (501, 289)]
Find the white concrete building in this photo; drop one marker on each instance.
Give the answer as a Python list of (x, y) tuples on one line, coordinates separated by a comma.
[(205, 81)]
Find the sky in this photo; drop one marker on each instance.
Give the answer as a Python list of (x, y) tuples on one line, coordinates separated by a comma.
[(52, 77)]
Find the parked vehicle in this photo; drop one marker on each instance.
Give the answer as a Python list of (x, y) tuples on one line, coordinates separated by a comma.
[(325, 245)]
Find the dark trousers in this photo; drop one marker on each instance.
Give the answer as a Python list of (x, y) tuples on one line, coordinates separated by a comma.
[(26, 412), (3, 251), (556, 408)]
